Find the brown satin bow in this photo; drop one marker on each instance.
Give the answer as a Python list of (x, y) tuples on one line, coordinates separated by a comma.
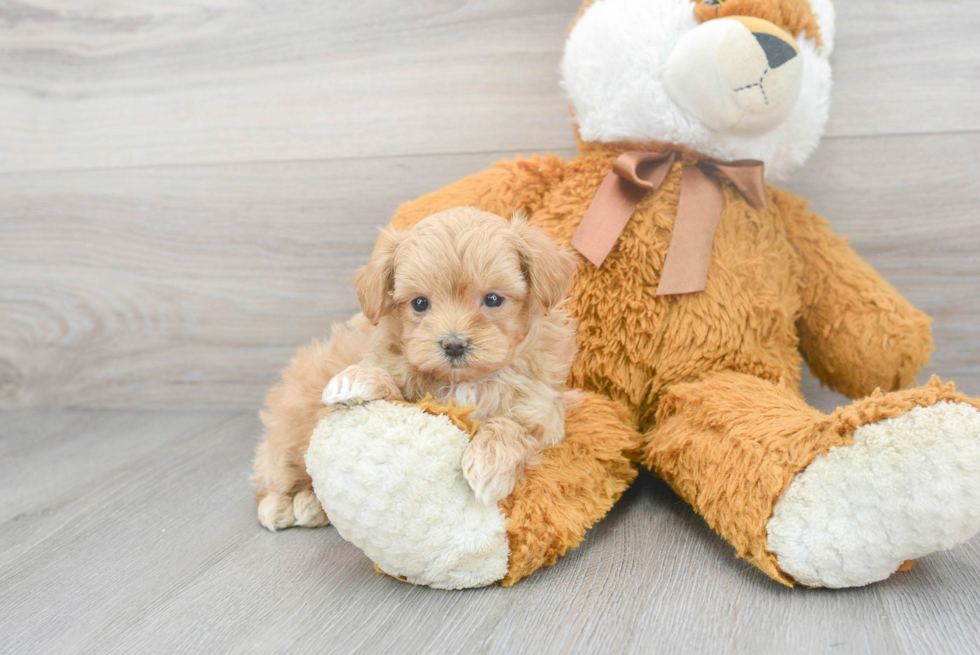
[(634, 175)]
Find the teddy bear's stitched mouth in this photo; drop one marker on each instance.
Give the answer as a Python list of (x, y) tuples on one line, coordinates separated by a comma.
[(757, 84)]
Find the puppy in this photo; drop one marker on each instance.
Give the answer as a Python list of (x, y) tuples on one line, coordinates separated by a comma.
[(466, 306)]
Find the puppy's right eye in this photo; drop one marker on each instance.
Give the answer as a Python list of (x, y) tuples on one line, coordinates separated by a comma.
[(420, 304), (493, 300)]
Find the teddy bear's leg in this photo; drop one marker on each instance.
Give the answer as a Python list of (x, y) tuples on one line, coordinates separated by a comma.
[(825, 500), (292, 409), (575, 484)]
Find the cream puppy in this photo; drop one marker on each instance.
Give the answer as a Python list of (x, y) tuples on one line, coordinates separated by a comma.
[(466, 307)]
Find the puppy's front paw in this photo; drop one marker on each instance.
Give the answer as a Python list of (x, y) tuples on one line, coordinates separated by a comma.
[(495, 459), (490, 482), (344, 391), (307, 510), (356, 385), (279, 511), (276, 512)]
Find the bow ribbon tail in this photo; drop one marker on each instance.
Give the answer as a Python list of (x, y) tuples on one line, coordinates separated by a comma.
[(689, 254), (606, 218), (685, 269)]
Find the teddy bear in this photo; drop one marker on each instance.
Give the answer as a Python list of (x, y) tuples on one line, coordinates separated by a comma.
[(701, 288)]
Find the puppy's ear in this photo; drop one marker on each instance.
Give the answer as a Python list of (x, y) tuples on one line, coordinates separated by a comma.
[(549, 268), (376, 281)]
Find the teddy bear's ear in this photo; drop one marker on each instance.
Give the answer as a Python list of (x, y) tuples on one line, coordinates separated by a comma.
[(375, 282), (549, 268)]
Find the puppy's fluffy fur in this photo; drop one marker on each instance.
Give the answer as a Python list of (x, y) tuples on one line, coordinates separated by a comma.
[(466, 306)]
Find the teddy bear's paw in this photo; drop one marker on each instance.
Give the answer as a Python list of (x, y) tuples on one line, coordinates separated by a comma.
[(307, 510), (389, 479), (276, 512), (357, 384), (906, 487)]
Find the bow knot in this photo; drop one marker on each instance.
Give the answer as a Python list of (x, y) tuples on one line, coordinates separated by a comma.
[(635, 175)]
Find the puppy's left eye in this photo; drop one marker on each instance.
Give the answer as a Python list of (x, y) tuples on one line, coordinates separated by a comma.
[(493, 300)]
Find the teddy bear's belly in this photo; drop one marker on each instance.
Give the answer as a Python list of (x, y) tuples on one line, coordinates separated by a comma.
[(633, 344), (675, 346)]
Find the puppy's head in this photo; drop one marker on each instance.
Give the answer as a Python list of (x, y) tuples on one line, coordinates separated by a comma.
[(462, 288)]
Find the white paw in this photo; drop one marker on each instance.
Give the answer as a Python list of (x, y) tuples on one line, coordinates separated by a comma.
[(906, 487), (345, 391), (276, 512), (490, 483), (307, 509)]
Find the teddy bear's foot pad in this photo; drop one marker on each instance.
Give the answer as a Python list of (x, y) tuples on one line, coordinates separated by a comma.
[(907, 486), (389, 478)]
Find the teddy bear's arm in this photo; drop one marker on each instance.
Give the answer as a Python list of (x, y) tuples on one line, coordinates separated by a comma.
[(505, 187), (857, 332)]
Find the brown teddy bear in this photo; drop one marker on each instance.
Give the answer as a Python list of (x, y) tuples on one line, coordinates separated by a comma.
[(700, 290)]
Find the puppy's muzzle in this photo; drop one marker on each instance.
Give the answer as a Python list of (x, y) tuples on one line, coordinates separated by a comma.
[(454, 347)]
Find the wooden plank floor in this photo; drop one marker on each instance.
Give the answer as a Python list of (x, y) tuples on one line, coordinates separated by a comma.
[(133, 532)]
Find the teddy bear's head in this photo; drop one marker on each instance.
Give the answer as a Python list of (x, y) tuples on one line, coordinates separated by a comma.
[(732, 79)]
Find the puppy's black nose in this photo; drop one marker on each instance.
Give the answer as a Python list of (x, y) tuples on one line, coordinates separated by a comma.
[(454, 346)]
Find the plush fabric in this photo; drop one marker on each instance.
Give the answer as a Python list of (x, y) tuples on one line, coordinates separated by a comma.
[(795, 16), (389, 477), (754, 436), (576, 484), (707, 384), (613, 70), (780, 284), (905, 487)]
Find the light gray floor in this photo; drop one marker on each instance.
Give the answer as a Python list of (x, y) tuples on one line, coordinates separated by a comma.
[(134, 532)]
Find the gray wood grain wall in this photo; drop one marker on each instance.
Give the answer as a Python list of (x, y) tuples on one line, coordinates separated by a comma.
[(185, 188)]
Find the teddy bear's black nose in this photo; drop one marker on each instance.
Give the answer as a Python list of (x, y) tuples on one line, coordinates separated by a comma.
[(454, 347), (778, 52)]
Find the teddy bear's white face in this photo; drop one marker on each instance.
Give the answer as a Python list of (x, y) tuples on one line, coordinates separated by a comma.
[(731, 88)]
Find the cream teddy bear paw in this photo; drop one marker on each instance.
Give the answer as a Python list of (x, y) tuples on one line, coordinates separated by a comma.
[(390, 479), (907, 486)]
